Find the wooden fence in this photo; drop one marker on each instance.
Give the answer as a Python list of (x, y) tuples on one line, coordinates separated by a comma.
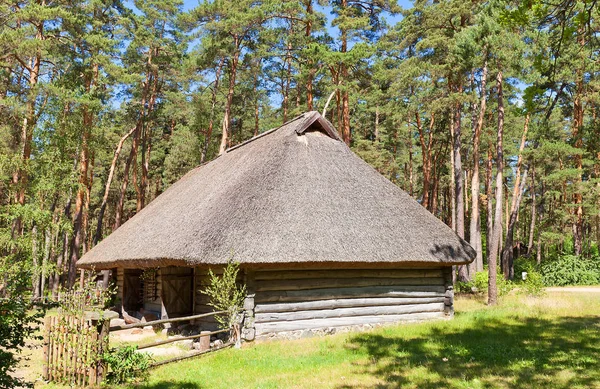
[(73, 350), (73, 347)]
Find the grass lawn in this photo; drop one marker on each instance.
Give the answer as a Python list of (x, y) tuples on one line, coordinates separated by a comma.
[(547, 342)]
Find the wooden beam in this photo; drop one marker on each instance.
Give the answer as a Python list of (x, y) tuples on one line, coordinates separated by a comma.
[(350, 273), (195, 354), (266, 328), (162, 321), (364, 292), (161, 342), (343, 303), (349, 312), (302, 284)]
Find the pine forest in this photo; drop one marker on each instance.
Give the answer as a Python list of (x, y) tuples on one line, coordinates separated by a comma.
[(484, 112)]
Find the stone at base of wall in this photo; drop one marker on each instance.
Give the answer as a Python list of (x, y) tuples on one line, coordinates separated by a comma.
[(300, 334)]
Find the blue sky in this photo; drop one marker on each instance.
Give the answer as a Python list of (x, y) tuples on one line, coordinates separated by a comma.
[(391, 19)]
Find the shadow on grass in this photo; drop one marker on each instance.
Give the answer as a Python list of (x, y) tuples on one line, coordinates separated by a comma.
[(531, 353)]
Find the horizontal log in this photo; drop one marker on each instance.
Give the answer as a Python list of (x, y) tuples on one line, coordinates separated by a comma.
[(348, 312), (166, 341), (267, 328), (340, 293), (301, 284), (162, 321), (191, 355), (343, 303), (351, 273)]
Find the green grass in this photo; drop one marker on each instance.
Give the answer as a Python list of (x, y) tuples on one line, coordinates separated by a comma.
[(546, 342)]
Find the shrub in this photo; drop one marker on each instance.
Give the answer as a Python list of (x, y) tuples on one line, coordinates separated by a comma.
[(534, 284), (479, 284), (19, 318), (523, 264), (226, 294), (126, 364), (570, 270)]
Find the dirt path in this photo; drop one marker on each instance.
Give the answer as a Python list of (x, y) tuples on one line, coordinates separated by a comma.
[(574, 289)]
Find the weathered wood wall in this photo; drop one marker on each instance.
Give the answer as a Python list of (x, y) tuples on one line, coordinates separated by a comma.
[(201, 280), (119, 274), (289, 300)]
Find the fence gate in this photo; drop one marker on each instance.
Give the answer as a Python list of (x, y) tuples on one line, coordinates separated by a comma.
[(73, 349)]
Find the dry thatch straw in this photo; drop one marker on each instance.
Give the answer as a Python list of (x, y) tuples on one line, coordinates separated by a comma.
[(293, 195)]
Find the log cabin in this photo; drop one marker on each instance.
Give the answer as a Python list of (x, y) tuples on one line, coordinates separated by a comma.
[(323, 240)]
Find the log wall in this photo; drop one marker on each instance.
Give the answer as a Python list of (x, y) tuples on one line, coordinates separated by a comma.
[(119, 273), (290, 300)]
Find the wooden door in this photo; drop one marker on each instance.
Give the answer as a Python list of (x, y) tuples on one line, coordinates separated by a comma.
[(133, 297), (177, 294)]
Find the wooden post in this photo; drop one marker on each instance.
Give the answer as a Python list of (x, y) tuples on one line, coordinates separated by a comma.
[(204, 340), (248, 332), (47, 329), (449, 293), (102, 347), (81, 278), (93, 374)]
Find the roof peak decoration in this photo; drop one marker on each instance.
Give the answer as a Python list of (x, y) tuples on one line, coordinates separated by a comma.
[(306, 121)]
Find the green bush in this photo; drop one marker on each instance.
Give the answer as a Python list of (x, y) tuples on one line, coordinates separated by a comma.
[(479, 284), (570, 270), (226, 294), (523, 264), (534, 284), (125, 364)]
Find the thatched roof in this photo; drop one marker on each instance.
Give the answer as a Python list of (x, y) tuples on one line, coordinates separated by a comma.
[(296, 194)]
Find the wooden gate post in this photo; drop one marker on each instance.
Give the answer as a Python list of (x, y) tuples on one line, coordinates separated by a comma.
[(47, 329), (103, 335)]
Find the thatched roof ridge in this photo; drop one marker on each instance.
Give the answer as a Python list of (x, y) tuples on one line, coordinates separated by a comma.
[(296, 194)]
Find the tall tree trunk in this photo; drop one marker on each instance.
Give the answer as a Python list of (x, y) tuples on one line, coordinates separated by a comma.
[(213, 103), (21, 175), (507, 252), (78, 227), (311, 64), (533, 212), (345, 99), (459, 194), (497, 230), (288, 77), (489, 225), (232, 74), (475, 222), (256, 101), (35, 279), (111, 173), (578, 137), (426, 146), (87, 236)]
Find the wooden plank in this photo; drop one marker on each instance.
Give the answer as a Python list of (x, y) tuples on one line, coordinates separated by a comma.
[(272, 285), (337, 293), (350, 273), (161, 342), (162, 321), (342, 303), (267, 328), (348, 312), (47, 329)]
